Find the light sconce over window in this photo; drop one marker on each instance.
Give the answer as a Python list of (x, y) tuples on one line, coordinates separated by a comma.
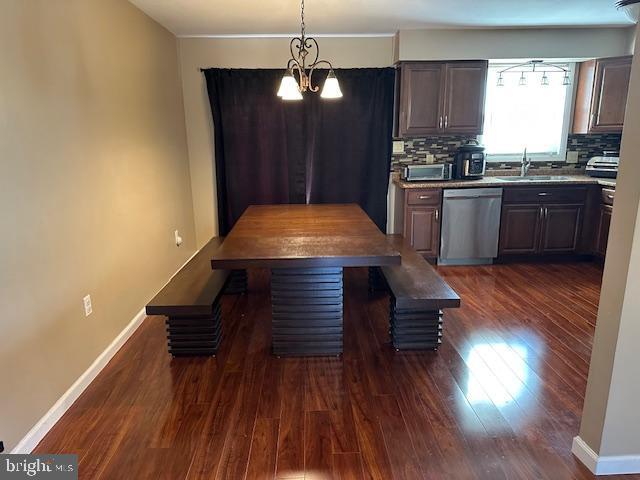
[(531, 68), (292, 88)]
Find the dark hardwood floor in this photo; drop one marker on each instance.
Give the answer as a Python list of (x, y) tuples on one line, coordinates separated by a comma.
[(501, 399)]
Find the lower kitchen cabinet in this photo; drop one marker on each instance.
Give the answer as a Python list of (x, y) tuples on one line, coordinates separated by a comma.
[(520, 229), (561, 227), (602, 235), (422, 228), (420, 211), (540, 221)]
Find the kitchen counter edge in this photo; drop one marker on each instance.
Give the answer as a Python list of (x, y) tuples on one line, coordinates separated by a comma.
[(495, 182)]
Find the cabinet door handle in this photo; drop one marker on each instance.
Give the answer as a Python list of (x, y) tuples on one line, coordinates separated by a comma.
[(541, 213), (424, 197), (446, 121), (546, 212), (437, 214), (610, 197), (440, 123), (543, 194)]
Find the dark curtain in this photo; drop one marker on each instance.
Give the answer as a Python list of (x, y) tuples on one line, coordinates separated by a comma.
[(268, 151), (350, 142)]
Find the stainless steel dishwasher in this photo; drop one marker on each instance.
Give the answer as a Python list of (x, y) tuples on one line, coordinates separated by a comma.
[(470, 226)]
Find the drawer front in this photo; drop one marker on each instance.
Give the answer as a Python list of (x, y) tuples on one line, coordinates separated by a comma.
[(540, 194), (608, 195), (424, 197)]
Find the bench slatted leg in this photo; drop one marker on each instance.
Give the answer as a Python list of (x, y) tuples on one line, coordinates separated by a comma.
[(192, 336), (307, 305), (415, 329), (237, 284)]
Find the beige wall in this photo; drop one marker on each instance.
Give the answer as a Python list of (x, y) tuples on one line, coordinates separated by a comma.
[(196, 53), (576, 43), (93, 180), (611, 415)]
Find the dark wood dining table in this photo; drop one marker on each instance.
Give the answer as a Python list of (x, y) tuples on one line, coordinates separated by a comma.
[(306, 247)]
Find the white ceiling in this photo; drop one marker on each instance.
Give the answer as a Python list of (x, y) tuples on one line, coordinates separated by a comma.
[(253, 17)]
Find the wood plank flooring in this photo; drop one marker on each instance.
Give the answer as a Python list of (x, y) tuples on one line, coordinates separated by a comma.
[(501, 399)]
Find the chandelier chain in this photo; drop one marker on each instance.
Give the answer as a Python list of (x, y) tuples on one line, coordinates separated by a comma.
[(302, 26)]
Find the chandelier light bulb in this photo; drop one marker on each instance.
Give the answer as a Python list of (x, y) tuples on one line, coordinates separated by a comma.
[(289, 89), (331, 88)]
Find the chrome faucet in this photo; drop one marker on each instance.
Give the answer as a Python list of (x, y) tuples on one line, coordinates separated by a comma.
[(526, 163)]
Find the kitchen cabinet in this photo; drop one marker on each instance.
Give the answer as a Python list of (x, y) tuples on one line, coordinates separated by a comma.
[(520, 229), (601, 96), (422, 220), (420, 94), (423, 229), (540, 221), (561, 227), (604, 221), (442, 98)]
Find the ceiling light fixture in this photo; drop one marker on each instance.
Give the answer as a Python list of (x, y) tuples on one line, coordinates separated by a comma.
[(291, 88), (531, 67), (523, 80), (544, 80)]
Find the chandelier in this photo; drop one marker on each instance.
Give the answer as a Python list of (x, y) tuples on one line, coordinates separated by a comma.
[(533, 66), (291, 88)]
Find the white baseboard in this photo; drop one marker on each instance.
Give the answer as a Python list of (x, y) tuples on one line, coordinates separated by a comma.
[(37, 433), (49, 419), (605, 465)]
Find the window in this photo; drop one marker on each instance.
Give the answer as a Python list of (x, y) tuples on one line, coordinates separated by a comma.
[(534, 116)]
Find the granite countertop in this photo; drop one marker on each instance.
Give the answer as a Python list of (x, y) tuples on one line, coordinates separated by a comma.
[(489, 181)]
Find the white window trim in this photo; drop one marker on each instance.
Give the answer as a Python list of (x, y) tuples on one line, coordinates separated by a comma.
[(561, 156)]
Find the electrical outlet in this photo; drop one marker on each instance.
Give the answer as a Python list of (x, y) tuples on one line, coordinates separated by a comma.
[(88, 309), (572, 157), (398, 146)]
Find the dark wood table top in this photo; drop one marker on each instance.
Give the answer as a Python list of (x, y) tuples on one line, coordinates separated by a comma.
[(292, 236)]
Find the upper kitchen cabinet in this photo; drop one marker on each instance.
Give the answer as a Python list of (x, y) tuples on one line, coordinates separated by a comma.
[(601, 96), (440, 98), (421, 94)]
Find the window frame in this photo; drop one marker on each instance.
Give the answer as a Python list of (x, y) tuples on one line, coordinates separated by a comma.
[(567, 122)]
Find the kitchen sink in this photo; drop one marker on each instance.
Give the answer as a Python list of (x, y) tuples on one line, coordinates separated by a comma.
[(532, 178)]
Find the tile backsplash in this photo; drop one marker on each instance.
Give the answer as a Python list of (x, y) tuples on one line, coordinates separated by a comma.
[(443, 149), (593, 145), (416, 149)]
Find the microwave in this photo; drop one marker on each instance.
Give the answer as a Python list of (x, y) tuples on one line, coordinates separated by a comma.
[(426, 172)]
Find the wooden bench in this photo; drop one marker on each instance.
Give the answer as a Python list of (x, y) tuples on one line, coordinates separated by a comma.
[(418, 296), (191, 303)]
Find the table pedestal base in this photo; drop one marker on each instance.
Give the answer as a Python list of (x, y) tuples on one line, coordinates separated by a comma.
[(307, 305)]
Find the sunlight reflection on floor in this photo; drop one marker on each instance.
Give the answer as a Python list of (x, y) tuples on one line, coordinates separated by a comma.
[(498, 373)]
